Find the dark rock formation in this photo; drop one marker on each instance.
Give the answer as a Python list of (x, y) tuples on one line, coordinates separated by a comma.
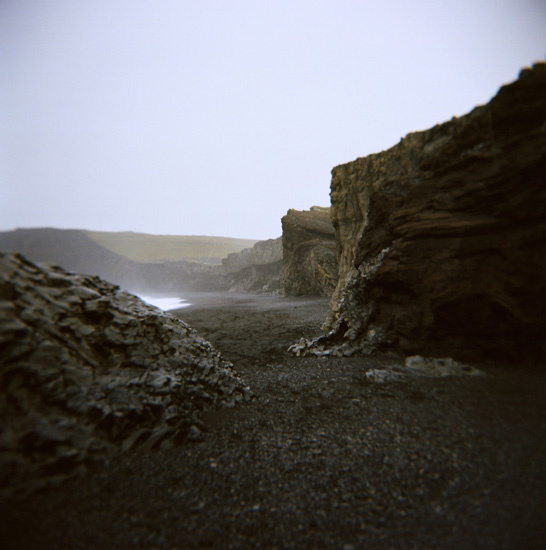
[(442, 238), (256, 269), (309, 253), (86, 367), (256, 279), (262, 253)]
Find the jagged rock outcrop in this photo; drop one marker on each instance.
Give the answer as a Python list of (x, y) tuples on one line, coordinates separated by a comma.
[(256, 269), (262, 253), (309, 253), (86, 368), (256, 279), (442, 238)]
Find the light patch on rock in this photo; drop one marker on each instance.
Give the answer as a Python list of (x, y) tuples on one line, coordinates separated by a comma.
[(417, 365)]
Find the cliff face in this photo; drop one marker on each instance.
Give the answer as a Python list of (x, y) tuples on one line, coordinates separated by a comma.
[(442, 238), (263, 252), (309, 253), (256, 269)]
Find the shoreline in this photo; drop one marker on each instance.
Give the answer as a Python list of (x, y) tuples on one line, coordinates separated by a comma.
[(164, 302), (321, 458), (173, 302)]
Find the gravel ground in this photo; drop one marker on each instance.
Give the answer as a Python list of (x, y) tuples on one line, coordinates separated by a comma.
[(322, 458)]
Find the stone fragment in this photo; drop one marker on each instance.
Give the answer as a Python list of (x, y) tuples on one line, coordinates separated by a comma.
[(416, 365), (382, 375), (435, 367)]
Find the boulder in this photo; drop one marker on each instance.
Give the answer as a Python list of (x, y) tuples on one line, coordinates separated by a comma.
[(309, 253), (87, 368), (442, 238)]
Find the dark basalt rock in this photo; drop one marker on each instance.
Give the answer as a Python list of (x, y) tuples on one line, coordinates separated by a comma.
[(87, 368), (442, 238), (309, 253)]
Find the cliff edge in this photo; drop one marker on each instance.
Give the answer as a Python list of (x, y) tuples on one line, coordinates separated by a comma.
[(442, 238), (309, 253)]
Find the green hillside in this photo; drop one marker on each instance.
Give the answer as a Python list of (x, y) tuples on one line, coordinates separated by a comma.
[(142, 247)]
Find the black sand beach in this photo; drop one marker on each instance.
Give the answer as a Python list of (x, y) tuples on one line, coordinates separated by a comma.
[(321, 458)]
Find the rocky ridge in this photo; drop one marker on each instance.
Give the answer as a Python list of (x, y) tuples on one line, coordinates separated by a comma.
[(309, 253), (442, 239), (86, 368), (255, 270), (262, 253)]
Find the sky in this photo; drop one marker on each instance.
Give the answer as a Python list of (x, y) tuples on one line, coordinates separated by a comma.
[(214, 117)]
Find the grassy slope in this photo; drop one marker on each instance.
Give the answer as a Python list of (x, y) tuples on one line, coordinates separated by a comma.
[(154, 248)]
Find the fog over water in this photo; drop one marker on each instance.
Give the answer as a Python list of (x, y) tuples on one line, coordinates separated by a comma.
[(214, 118), (166, 303)]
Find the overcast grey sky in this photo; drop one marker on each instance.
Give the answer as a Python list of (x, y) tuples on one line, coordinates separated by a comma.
[(202, 117)]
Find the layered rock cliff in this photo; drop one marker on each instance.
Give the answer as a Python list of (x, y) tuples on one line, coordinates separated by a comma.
[(87, 368), (442, 238), (309, 253), (256, 269), (261, 253)]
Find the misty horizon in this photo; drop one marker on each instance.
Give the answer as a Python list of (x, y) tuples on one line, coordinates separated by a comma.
[(195, 119), (127, 231)]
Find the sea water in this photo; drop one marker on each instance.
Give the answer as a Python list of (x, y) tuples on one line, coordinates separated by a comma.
[(166, 303)]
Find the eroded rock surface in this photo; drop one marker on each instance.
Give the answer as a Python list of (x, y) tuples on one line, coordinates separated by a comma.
[(262, 253), (309, 253), (86, 367), (442, 238), (256, 269)]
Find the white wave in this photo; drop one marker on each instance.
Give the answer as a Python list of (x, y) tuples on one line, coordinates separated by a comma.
[(165, 303)]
